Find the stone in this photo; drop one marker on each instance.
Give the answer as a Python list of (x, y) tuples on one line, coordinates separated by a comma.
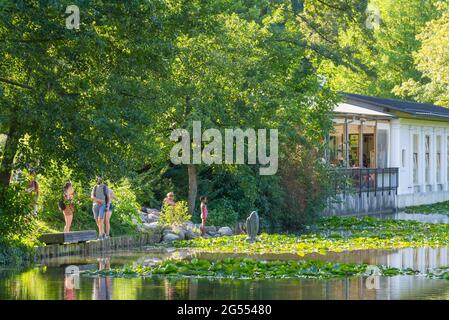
[(144, 217), (214, 234), (211, 229), (150, 226), (170, 237), (154, 212), (180, 232), (190, 234), (151, 217), (225, 231), (252, 226)]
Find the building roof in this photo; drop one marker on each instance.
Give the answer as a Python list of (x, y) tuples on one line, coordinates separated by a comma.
[(415, 109), (346, 108)]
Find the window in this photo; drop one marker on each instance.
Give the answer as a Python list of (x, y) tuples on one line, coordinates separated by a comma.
[(382, 148), (403, 158), (438, 158), (415, 158), (427, 158)]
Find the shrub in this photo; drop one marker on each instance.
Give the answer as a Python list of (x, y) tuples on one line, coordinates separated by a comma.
[(222, 214), (125, 208), (174, 215), (16, 217)]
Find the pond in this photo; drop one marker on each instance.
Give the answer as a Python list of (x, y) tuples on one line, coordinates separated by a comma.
[(49, 281)]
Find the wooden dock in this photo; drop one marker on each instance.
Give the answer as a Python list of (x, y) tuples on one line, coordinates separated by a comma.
[(98, 246), (68, 237)]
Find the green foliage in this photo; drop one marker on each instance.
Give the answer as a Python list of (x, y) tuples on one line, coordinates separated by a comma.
[(15, 252), (391, 44), (222, 214), (16, 217), (435, 208), (174, 215), (126, 207), (251, 269), (431, 60)]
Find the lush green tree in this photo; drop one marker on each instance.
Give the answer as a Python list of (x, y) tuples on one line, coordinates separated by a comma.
[(385, 50), (83, 97), (432, 60)]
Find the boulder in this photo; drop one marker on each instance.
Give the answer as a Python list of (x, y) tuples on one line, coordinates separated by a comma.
[(150, 226), (154, 212), (144, 217), (211, 229), (213, 233), (151, 217), (191, 234), (180, 232), (170, 237), (225, 231)]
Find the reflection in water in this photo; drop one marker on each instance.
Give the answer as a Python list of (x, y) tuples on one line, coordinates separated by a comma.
[(53, 283), (428, 218), (102, 288)]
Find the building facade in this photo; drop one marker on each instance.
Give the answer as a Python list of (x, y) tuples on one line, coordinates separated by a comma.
[(396, 154)]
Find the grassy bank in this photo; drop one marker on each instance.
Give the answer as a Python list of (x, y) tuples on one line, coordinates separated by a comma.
[(333, 235)]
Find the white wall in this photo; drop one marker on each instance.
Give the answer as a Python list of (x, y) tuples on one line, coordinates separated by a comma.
[(401, 134)]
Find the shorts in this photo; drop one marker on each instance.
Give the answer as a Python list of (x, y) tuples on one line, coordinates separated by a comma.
[(99, 210), (111, 207)]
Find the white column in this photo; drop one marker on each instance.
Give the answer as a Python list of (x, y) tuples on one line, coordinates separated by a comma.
[(422, 160), (395, 150), (444, 159)]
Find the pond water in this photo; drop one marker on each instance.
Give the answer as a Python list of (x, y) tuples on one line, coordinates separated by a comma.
[(49, 281)]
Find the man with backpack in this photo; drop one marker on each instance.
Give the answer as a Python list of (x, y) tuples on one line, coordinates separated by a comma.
[(99, 197)]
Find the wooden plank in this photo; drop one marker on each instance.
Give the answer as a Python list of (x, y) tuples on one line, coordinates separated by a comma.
[(80, 236), (68, 237)]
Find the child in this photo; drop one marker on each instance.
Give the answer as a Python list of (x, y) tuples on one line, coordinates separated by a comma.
[(203, 207)]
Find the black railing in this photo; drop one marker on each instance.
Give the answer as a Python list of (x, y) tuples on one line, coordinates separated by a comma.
[(369, 180)]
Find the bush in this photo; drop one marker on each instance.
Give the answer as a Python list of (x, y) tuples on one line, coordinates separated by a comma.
[(174, 215), (125, 208), (222, 214), (16, 217)]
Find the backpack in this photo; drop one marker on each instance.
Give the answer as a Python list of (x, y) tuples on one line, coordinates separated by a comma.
[(106, 194), (61, 205)]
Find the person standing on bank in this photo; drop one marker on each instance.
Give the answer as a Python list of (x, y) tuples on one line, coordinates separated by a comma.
[(204, 214), (99, 196), (66, 205), (109, 208), (33, 189)]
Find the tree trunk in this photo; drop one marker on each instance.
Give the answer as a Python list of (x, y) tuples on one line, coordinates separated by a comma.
[(193, 186), (9, 154)]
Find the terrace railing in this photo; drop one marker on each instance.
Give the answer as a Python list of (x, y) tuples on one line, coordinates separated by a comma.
[(369, 180)]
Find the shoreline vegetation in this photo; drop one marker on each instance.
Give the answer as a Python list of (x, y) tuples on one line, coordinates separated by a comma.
[(334, 234), (250, 269), (435, 208)]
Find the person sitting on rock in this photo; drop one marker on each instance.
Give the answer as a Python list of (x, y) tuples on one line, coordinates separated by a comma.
[(169, 200)]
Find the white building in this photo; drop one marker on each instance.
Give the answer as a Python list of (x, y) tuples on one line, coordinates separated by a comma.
[(396, 153)]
